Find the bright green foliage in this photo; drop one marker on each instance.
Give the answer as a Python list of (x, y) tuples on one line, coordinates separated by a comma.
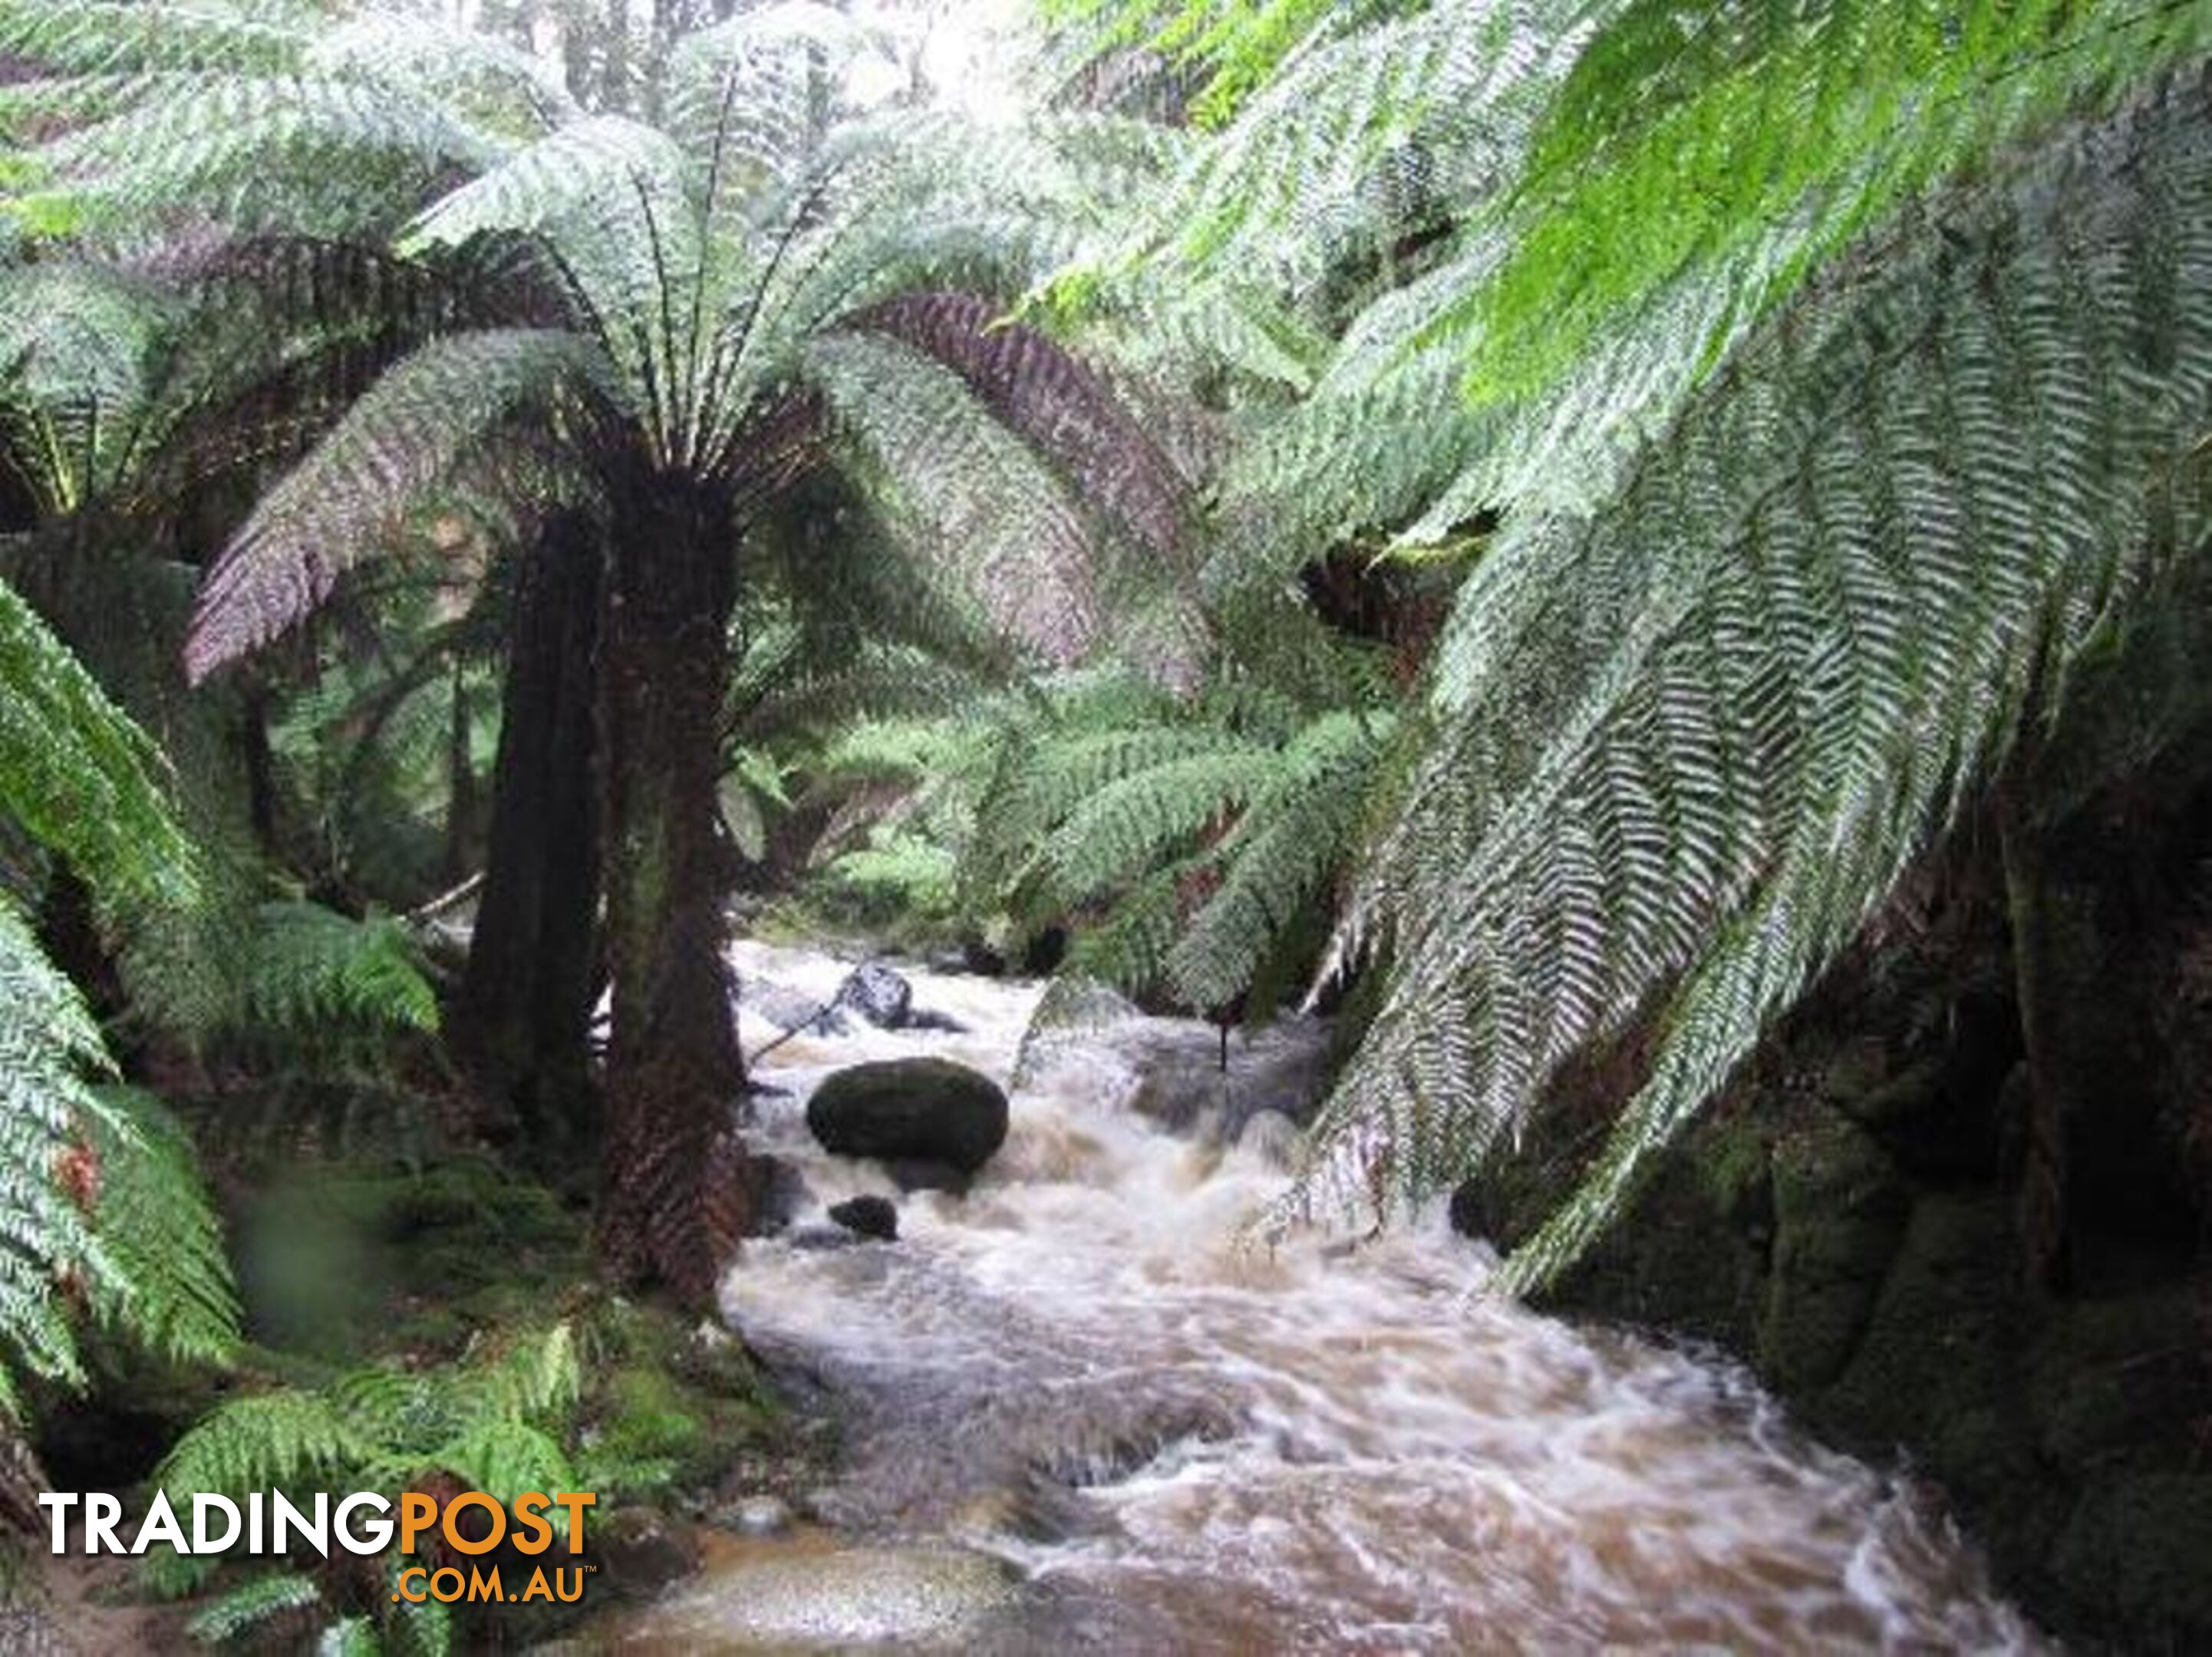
[(1861, 570), (48, 1043), (493, 1421), (250, 1606), (99, 1200), (172, 1290), (1238, 44), (315, 970), (76, 774)]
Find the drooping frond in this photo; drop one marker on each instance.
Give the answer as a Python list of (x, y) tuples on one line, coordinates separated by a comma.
[(607, 203), (970, 493), (48, 1046), (172, 1290), (118, 37), (1294, 838), (313, 970), (422, 418), (328, 154), (78, 775), (1687, 747), (1055, 402)]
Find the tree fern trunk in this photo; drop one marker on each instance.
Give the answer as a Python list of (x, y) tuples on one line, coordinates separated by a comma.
[(523, 1012), (2044, 1131), (679, 1187)]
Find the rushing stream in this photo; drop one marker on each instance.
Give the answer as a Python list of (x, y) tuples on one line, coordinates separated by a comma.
[(1082, 1412)]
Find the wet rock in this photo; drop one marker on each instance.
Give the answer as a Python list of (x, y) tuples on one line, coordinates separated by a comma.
[(1475, 1213), (1181, 1080), (918, 1109), (1839, 1212), (868, 1217), (759, 1515), (878, 993), (641, 1549), (790, 1009), (785, 1196), (922, 1018), (2141, 1544), (865, 1598), (1273, 1135)]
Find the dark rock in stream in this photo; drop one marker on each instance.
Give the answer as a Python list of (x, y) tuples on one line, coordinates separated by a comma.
[(868, 1217), (878, 993), (910, 1109), (790, 1009), (1181, 1078)]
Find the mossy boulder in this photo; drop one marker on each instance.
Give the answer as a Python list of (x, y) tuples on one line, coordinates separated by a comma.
[(910, 1109), (1839, 1211), (2141, 1545)]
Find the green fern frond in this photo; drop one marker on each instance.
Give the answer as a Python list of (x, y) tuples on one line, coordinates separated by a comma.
[(171, 1289), (505, 1457), (252, 1606), (78, 775), (48, 1045), (313, 967), (407, 434), (271, 1441), (1296, 835), (1852, 580)]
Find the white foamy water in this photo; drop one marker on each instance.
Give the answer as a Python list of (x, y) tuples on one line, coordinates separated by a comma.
[(1176, 1439)]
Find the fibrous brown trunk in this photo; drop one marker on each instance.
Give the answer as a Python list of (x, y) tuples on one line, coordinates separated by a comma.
[(523, 1014), (679, 1188)]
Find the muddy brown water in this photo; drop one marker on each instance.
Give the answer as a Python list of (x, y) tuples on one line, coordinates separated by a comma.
[(1085, 1410)]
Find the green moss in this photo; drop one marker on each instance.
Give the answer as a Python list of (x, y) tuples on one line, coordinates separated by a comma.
[(1839, 1214), (2138, 1553)]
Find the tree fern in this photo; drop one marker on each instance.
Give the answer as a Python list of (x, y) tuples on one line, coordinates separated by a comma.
[(1687, 746), (172, 1289)]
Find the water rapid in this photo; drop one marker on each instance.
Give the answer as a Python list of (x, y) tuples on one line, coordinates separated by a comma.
[(1082, 1411)]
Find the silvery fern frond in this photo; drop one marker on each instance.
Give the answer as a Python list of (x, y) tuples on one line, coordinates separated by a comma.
[(421, 419), (1687, 745)]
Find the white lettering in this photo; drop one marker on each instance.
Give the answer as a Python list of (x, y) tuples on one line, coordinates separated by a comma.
[(283, 1516), (160, 1526), (376, 1534), (202, 1504), (60, 1502), (101, 1510)]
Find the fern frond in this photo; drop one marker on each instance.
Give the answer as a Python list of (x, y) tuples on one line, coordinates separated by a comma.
[(251, 1606), (1296, 835), (78, 774), (313, 967), (271, 1441), (48, 1045), (172, 1289), (418, 421), (1855, 576)]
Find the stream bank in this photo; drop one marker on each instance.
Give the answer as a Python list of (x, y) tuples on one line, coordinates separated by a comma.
[(1930, 1268)]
